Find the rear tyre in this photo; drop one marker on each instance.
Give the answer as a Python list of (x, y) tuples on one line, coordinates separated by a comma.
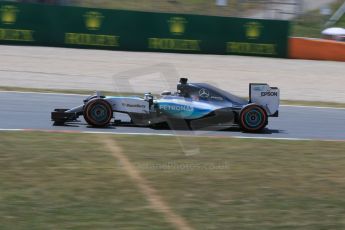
[(253, 118), (98, 113)]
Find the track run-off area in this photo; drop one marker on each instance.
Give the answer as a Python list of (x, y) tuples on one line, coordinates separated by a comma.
[(31, 111)]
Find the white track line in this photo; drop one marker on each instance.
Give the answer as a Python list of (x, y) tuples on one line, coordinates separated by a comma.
[(168, 135), (314, 107), (85, 95)]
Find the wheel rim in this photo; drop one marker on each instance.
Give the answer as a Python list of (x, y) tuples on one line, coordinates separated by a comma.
[(253, 118), (99, 113)]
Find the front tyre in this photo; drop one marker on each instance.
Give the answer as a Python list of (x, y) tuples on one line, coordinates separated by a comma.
[(253, 118), (98, 113)]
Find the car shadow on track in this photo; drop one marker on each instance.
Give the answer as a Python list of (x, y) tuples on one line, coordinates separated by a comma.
[(66, 125), (82, 125), (265, 131)]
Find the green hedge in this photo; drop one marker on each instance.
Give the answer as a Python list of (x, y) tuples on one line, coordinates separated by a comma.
[(44, 25)]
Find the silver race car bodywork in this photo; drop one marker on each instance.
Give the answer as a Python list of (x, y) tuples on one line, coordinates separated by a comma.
[(196, 105)]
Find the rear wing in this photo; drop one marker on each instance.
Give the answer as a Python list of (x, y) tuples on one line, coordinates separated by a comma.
[(266, 96)]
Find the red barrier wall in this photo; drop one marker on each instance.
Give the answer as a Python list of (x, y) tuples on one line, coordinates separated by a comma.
[(316, 49)]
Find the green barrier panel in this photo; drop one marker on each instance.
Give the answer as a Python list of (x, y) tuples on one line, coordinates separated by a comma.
[(44, 25)]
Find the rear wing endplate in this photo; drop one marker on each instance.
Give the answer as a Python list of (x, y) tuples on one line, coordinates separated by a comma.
[(266, 96)]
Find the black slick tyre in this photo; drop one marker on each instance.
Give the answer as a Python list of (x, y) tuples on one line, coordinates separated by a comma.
[(253, 118), (98, 113)]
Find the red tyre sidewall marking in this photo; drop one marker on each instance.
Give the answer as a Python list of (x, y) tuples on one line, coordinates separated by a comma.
[(106, 104), (249, 108)]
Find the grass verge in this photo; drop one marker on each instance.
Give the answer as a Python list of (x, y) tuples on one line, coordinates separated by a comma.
[(89, 92), (58, 181), (204, 7), (71, 181)]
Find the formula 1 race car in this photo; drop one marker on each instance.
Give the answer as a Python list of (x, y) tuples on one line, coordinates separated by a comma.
[(193, 106)]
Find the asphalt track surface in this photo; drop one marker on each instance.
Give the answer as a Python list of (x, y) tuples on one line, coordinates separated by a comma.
[(32, 111)]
